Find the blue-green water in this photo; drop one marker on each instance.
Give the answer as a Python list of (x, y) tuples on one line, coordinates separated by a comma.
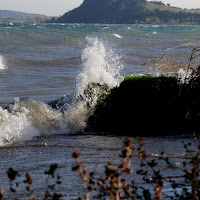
[(47, 61)]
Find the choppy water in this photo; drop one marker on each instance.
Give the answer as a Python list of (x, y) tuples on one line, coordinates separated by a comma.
[(47, 61)]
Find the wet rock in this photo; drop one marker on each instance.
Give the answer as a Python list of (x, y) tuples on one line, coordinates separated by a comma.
[(142, 104)]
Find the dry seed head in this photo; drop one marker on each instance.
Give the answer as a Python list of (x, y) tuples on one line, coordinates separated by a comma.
[(1, 194), (109, 163), (84, 174), (123, 165), (158, 191), (12, 174), (29, 179), (99, 182), (77, 167), (76, 154)]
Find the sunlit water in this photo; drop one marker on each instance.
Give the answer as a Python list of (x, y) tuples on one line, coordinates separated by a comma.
[(47, 61)]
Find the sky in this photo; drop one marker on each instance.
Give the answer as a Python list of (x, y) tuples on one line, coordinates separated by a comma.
[(183, 3), (45, 7), (59, 7)]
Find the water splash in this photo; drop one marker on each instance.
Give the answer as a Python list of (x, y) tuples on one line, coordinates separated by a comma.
[(26, 118), (184, 75), (15, 127), (101, 64)]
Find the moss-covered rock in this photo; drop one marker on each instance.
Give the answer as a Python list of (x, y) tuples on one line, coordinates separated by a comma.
[(142, 104)]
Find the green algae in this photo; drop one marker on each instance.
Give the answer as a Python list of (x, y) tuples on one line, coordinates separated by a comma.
[(94, 90)]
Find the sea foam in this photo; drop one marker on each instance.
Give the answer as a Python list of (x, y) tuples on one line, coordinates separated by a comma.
[(2, 63), (117, 36), (15, 127), (26, 118)]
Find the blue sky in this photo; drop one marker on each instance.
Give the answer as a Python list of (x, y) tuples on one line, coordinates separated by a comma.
[(59, 7)]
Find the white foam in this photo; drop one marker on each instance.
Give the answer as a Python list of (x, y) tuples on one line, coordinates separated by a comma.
[(100, 65), (2, 63), (27, 118), (181, 46), (117, 36), (183, 75), (15, 127)]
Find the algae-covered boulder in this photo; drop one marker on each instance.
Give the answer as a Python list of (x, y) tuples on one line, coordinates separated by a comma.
[(141, 103), (94, 93)]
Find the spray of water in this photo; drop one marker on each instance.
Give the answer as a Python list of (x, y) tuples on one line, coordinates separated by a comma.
[(100, 65), (27, 118), (15, 127)]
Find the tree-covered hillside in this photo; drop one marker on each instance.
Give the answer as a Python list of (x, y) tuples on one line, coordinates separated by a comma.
[(129, 12), (7, 14)]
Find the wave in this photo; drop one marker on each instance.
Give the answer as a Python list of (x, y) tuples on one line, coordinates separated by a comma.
[(2, 63), (182, 46), (27, 118), (117, 36)]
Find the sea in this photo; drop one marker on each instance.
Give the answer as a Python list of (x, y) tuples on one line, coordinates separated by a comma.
[(41, 63)]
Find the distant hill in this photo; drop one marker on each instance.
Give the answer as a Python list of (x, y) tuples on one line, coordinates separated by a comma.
[(129, 12), (8, 14)]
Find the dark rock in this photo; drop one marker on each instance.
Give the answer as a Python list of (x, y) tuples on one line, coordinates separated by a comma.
[(143, 104)]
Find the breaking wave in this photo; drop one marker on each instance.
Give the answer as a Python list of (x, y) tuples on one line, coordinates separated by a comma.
[(26, 118), (100, 65), (117, 36)]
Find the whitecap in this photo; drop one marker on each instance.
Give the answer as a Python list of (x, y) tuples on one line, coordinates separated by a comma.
[(27, 118), (182, 46), (2, 63), (117, 36), (15, 127)]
